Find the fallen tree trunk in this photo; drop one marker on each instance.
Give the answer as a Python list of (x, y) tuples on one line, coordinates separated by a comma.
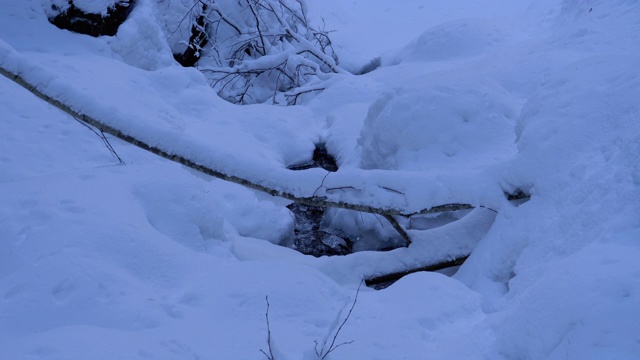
[(382, 281), (310, 201), (387, 213)]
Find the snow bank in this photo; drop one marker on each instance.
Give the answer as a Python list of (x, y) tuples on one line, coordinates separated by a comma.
[(454, 40), (88, 6), (146, 260), (441, 122), (140, 41)]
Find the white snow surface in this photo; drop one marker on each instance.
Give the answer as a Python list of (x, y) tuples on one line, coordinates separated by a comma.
[(150, 260)]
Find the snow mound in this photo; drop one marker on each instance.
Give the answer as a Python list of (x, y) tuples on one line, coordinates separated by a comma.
[(449, 120), (455, 40), (103, 261), (140, 41), (560, 318)]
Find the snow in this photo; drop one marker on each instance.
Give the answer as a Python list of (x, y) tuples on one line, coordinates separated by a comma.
[(100, 260), (366, 30), (462, 123), (140, 41), (95, 7)]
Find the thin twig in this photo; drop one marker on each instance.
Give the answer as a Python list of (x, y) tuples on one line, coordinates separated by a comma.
[(110, 147), (341, 188), (321, 184), (398, 228), (104, 139), (377, 218), (488, 208), (255, 15), (183, 18), (324, 352), (227, 21), (296, 94), (270, 354), (391, 190)]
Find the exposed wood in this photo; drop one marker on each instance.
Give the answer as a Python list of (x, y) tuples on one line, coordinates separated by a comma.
[(381, 280), (398, 228)]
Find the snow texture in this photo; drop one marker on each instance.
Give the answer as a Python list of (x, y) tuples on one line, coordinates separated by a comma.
[(150, 260)]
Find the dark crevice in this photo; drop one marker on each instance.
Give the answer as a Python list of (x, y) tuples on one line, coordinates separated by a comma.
[(74, 19), (518, 195), (311, 238), (384, 281), (197, 40), (320, 159), (372, 65)]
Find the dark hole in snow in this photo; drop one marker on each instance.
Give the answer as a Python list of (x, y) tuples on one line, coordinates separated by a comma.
[(74, 19), (197, 40), (518, 197), (311, 238), (370, 66), (320, 159)]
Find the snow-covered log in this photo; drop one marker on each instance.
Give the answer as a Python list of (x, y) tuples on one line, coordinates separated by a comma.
[(382, 281), (387, 213)]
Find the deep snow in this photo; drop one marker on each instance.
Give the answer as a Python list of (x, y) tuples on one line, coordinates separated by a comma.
[(151, 260)]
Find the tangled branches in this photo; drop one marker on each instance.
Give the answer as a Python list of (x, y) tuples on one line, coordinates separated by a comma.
[(256, 51)]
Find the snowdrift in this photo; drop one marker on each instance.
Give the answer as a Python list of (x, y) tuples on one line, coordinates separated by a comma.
[(150, 260)]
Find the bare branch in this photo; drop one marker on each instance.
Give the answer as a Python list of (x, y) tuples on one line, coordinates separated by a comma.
[(270, 347), (342, 188), (321, 184), (324, 351), (217, 10), (255, 15), (183, 18), (398, 228), (273, 49), (104, 139), (298, 93), (391, 190)]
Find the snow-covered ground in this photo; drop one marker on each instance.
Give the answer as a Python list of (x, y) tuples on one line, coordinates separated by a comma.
[(150, 260)]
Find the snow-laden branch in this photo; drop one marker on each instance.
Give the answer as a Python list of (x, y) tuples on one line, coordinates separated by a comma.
[(258, 50)]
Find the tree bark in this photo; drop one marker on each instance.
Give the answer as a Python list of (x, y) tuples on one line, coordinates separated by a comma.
[(382, 281)]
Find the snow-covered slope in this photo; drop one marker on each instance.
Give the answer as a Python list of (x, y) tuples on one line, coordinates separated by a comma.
[(151, 260)]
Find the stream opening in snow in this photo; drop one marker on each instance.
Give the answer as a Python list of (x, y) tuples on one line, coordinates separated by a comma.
[(317, 235), (311, 237), (319, 231)]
